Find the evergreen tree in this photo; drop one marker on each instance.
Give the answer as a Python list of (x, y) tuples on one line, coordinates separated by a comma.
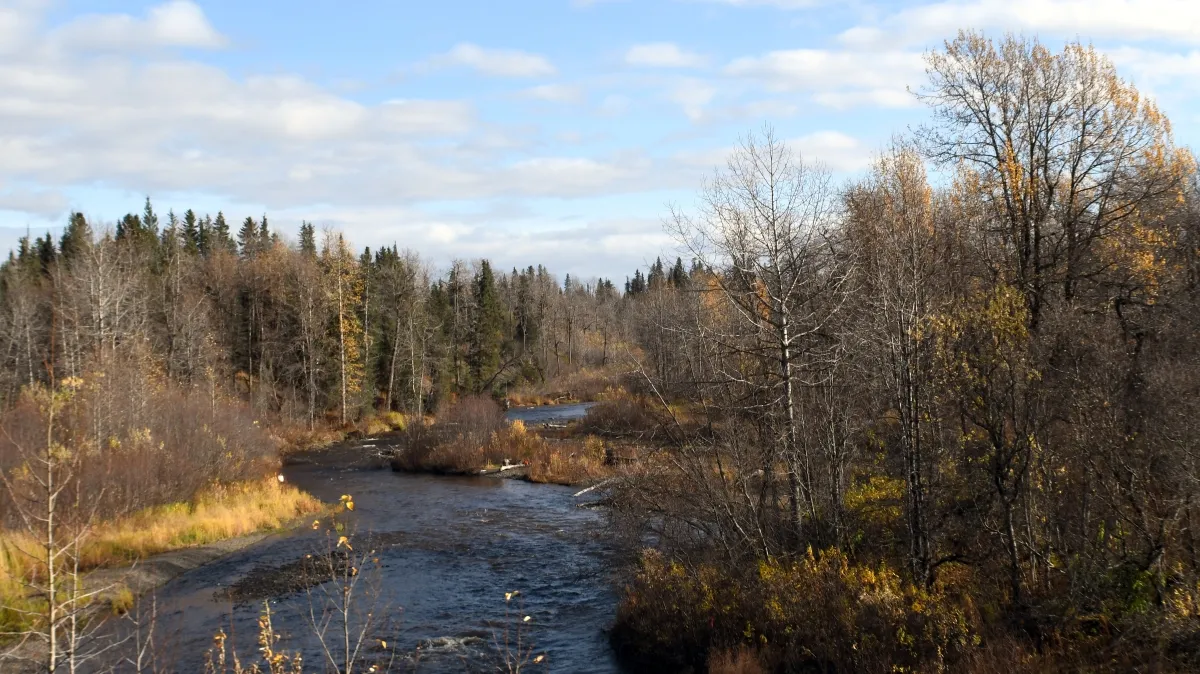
[(24, 250), (76, 237), (657, 276), (679, 277), (171, 234), (204, 236), (264, 234), (191, 232), (526, 327), (248, 237), (129, 228), (45, 252), (150, 219), (221, 238), (487, 334), (638, 285), (308, 239)]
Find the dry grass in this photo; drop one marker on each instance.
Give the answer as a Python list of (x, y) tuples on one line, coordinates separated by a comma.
[(217, 514), (620, 414), (464, 444), (570, 462), (586, 384), (740, 661), (220, 513), (294, 438)]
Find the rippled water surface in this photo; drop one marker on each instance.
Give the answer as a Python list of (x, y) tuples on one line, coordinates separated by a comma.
[(450, 547), (549, 413)]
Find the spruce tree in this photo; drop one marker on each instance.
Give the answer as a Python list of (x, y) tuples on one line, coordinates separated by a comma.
[(221, 237), (487, 334), (76, 237), (264, 234), (204, 238), (679, 277), (45, 252), (129, 228), (248, 237), (308, 239), (149, 219), (169, 240), (657, 276), (191, 232)]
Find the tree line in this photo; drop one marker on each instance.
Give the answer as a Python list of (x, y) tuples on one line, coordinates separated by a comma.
[(309, 329)]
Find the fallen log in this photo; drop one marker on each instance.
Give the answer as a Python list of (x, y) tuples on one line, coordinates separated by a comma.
[(595, 486)]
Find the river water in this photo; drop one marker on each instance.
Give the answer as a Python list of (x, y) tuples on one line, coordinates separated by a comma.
[(449, 549)]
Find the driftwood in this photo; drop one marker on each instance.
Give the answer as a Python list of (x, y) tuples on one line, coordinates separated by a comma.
[(595, 486), (501, 469)]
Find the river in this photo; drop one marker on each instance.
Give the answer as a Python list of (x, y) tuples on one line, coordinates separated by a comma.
[(449, 549)]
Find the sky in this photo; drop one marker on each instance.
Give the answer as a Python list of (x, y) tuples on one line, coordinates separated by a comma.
[(554, 132)]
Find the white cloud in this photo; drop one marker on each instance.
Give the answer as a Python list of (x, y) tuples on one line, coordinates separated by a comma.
[(837, 79), (577, 176), (879, 98), (1173, 20), (413, 117), (662, 55), (835, 149), (18, 24), (48, 204), (555, 93), (281, 141), (614, 105), (577, 242), (178, 23), (495, 62), (693, 95), (1151, 68)]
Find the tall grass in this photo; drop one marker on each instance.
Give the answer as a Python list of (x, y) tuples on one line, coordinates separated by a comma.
[(584, 384), (472, 435), (216, 514)]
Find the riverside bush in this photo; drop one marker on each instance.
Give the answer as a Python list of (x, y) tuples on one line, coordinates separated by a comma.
[(818, 613), (141, 442), (472, 435)]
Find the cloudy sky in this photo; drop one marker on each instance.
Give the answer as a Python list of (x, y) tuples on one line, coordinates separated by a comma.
[(527, 131)]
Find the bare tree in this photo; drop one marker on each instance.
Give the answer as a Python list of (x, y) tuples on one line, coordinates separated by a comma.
[(765, 224), (45, 497)]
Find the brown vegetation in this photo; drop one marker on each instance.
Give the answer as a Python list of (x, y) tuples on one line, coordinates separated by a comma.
[(586, 384), (139, 442), (471, 436), (976, 400), (818, 613)]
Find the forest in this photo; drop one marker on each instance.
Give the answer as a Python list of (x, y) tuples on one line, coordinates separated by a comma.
[(944, 416)]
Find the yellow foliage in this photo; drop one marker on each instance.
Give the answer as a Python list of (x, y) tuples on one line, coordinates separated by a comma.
[(878, 500), (855, 617), (396, 420), (375, 426), (219, 513)]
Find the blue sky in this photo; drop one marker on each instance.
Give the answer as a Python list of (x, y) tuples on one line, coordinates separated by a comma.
[(526, 131)]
